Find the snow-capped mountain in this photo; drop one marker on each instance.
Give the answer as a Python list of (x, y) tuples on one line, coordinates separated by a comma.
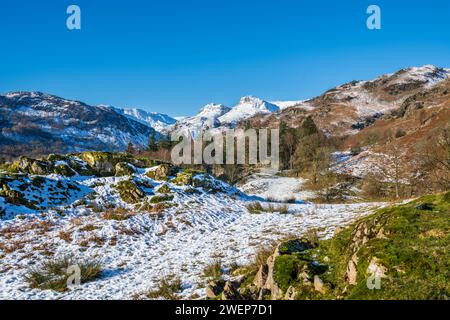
[(246, 108), (34, 120), (158, 121), (207, 118)]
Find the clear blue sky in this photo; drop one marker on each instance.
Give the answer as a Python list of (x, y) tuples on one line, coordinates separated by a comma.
[(174, 56)]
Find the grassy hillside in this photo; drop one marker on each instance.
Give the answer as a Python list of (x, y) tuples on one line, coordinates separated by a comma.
[(406, 247)]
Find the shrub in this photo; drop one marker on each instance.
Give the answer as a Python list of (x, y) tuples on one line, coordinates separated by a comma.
[(213, 270), (255, 207), (54, 275), (400, 133), (162, 198), (118, 214), (168, 288)]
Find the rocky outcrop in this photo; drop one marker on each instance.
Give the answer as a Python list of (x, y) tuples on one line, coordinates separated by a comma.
[(130, 192), (124, 169), (162, 173), (282, 275)]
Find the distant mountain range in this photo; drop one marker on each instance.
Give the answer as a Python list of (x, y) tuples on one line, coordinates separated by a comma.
[(34, 120)]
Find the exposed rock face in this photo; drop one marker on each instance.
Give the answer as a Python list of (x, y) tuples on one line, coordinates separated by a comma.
[(265, 284), (27, 165), (361, 235), (352, 271), (270, 284)]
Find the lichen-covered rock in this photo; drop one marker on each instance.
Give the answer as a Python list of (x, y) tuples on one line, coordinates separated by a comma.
[(31, 166), (164, 189), (102, 162), (183, 178), (64, 170), (124, 169), (130, 192), (161, 173), (208, 183), (293, 246), (161, 198)]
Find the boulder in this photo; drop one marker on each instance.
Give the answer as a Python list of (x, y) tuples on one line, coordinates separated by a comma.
[(162, 172), (124, 169), (164, 188), (102, 162), (64, 170), (352, 272), (130, 192), (319, 286)]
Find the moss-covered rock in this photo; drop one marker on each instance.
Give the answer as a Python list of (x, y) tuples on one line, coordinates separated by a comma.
[(64, 170), (31, 166), (162, 173), (144, 163), (129, 191), (102, 162), (185, 177), (164, 188), (294, 246), (161, 198), (124, 169)]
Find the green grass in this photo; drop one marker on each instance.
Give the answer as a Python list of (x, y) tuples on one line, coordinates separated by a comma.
[(411, 242), (415, 250)]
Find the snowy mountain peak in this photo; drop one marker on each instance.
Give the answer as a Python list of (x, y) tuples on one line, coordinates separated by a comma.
[(158, 121), (207, 118), (213, 110), (248, 107), (427, 74)]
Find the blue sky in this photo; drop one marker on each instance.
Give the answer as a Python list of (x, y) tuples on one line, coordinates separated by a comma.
[(173, 56)]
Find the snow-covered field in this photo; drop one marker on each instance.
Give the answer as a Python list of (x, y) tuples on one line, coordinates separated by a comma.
[(269, 186), (136, 253)]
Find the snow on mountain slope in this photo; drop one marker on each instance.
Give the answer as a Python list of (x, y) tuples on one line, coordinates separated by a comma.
[(246, 108), (158, 121), (29, 119), (268, 185), (348, 108), (207, 118), (137, 252), (289, 104)]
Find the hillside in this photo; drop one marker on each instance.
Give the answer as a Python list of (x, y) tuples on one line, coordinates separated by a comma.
[(348, 108), (33, 123), (412, 132), (139, 222), (399, 252)]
